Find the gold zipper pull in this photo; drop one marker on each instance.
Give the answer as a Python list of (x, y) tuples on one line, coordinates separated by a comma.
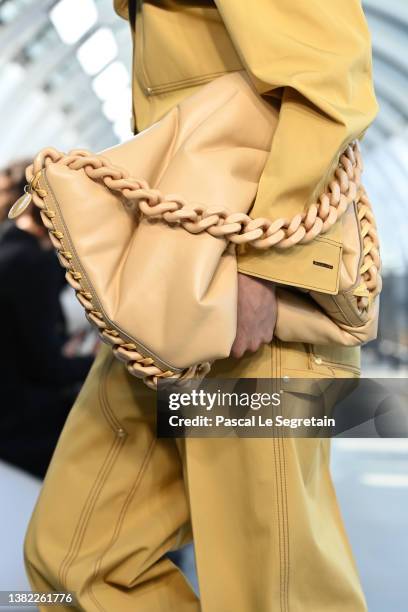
[(22, 203), (25, 200)]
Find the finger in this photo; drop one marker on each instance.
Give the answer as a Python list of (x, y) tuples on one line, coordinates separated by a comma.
[(254, 346), (267, 338), (238, 349)]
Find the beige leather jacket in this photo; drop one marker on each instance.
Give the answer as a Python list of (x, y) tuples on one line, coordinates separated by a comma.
[(313, 62)]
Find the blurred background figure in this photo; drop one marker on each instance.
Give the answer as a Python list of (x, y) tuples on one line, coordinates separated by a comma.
[(41, 371), (12, 182)]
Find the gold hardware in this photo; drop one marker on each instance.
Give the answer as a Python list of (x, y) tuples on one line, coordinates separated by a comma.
[(361, 291), (22, 203), (112, 332), (35, 180), (25, 200), (97, 314), (35, 185)]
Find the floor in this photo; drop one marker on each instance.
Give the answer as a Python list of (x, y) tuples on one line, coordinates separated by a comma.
[(371, 478)]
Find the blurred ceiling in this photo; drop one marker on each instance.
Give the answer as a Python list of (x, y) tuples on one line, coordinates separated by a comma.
[(69, 60)]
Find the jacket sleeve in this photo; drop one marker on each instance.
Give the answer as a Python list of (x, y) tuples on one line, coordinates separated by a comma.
[(313, 60)]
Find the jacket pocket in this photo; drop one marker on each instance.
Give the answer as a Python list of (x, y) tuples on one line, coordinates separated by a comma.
[(311, 385), (313, 361), (337, 361), (179, 46)]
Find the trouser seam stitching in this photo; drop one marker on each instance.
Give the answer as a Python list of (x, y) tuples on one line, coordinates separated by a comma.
[(278, 521), (93, 492), (278, 479), (283, 514), (286, 515), (114, 423), (285, 524), (86, 513), (119, 522)]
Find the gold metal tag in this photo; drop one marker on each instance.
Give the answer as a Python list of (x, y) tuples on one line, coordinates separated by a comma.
[(20, 206)]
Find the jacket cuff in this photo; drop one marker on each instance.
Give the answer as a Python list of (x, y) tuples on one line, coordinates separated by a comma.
[(314, 266)]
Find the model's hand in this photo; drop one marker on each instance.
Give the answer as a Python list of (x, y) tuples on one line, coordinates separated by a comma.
[(257, 312)]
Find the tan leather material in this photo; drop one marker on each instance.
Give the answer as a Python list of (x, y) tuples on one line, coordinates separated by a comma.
[(153, 258), (301, 319), (360, 280), (171, 293)]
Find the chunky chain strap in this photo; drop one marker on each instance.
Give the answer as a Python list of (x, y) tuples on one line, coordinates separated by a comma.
[(370, 268), (237, 228)]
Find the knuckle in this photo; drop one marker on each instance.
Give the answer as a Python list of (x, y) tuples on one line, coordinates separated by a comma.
[(254, 345), (237, 352)]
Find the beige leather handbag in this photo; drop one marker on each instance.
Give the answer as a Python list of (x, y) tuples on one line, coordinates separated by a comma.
[(147, 231)]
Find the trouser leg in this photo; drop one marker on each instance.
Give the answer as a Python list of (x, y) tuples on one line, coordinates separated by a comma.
[(267, 530), (266, 524), (113, 503)]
